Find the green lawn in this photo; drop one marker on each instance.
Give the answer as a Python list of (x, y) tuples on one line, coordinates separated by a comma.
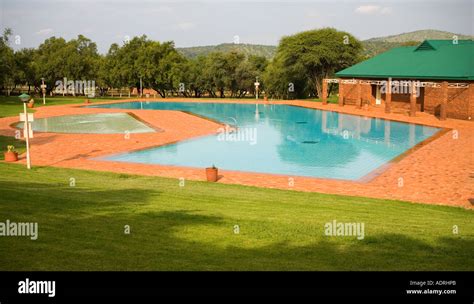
[(331, 99), (192, 227)]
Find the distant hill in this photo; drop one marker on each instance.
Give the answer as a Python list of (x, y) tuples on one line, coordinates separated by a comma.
[(267, 51), (378, 45), (419, 36), (372, 46)]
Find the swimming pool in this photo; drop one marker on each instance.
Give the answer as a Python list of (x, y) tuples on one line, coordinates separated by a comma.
[(282, 139)]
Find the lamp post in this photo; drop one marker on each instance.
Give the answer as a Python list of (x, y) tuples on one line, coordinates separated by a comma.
[(26, 128), (256, 87), (141, 87), (43, 89)]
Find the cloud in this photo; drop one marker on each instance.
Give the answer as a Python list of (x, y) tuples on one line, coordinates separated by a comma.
[(184, 26), (373, 10), (44, 32)]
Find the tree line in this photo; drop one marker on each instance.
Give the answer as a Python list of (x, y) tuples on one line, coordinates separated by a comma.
[(301, 62)]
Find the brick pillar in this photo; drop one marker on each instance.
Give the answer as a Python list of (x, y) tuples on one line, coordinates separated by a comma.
[(388, 97), (325, 92), (359, 95), (444, 101), (413, 99), (341, 93)]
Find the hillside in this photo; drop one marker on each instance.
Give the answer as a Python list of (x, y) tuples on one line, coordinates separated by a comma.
[(248, 49), (378, 45), (419, 36), (372, 46)]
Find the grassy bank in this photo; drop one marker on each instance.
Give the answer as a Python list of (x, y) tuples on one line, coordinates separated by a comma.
[(194, 227)]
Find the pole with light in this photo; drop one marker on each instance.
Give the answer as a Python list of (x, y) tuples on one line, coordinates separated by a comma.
[(141, 87), (43, 89), (256, 87), (26, 128)]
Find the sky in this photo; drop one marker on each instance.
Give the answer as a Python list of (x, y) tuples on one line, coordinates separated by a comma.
[(210, 22)]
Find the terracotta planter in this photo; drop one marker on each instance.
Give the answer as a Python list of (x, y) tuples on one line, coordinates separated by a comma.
[(31, 105), (87, 101), (265, 98), (11, 156), (211, 174)]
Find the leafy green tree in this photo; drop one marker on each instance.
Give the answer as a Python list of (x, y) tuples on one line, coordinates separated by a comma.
[(76, 60), (158, 64), (316, 54), (26, 69), (7, 61)]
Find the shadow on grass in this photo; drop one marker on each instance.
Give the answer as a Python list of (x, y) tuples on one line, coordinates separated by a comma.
[(389, 251), (177, 240), (69, 194), (82, 229)]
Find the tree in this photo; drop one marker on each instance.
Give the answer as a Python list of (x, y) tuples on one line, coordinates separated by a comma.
[(7, 60), (317, 54), (26, 68), (76, 60), (157, 64)]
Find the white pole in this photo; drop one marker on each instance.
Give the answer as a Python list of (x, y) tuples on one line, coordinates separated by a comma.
[(141, 88), (27, 135), (44, 91)]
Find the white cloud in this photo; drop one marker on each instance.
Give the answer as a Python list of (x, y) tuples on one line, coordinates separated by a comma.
[(373, 9), (45, 31)]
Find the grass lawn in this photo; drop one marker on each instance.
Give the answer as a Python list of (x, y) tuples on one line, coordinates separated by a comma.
[(331, 99), (192, 227)]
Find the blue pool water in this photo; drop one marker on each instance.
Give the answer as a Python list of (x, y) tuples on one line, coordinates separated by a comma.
[(282, 139)]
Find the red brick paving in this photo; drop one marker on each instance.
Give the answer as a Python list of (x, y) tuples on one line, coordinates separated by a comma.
[(440, 172)]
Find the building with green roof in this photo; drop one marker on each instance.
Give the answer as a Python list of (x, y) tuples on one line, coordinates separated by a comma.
[(436, 77)]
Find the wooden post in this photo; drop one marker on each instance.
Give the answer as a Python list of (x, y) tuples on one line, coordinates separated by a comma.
[(325, 92), (444, 101), (388, 97), (341, 94), (413, 99)]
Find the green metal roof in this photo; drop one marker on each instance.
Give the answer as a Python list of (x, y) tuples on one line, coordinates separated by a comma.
[(432, 59)]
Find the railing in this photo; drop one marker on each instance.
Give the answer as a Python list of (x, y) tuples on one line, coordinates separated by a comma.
[(430, 84)]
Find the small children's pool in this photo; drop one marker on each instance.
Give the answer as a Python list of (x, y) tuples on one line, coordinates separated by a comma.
[(103, 123), (282, 139)]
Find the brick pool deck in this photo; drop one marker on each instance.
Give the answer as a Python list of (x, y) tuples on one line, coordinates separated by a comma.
[(439, 172)]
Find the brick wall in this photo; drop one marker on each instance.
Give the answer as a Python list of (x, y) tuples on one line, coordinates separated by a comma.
[(460, 101), (350, 93)]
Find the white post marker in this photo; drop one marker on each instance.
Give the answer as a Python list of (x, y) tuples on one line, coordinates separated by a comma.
[(26, 133), (43, 89), (26, 127), (256, 83), (141, 87)]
